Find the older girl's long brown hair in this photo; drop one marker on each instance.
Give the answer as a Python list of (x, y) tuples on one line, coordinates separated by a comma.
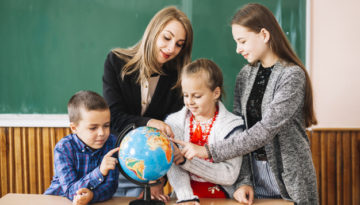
[(255, 17)]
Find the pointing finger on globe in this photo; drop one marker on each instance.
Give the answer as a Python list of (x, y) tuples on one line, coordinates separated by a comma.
[(180, 142), (108, 162), (112, 152)]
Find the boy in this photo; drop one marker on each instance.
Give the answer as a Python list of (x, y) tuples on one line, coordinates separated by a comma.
[(84, 167)]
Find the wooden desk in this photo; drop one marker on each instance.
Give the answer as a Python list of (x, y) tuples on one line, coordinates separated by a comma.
[(38, 199)]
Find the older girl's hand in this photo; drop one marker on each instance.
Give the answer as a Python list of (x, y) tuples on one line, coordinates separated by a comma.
[(165, 128), (190, 150), (244, 194), (178, 157)]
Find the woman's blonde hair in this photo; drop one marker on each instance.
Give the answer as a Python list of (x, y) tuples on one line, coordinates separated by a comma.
[(256, 17), (142, 56)]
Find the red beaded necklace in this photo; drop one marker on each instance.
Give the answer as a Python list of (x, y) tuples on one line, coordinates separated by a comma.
[(197, 137)]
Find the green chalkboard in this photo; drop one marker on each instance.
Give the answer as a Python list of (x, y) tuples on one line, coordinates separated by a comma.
[(49, 49)]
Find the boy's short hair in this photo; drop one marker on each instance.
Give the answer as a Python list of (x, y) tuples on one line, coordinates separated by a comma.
[(84, 99)]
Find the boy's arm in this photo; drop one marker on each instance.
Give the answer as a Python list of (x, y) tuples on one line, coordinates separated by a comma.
[(107, 188), (67, 166)]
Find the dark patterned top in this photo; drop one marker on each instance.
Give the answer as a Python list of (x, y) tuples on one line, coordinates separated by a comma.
[(253, 108)]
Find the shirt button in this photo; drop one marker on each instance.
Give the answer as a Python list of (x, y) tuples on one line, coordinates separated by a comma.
[(100, 179), (83, 150), (91, 188), (144, 102)]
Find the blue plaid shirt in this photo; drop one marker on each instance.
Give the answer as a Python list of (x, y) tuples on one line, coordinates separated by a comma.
[(78, 166)]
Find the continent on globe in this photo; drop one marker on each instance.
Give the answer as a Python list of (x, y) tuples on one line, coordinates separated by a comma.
[(155, 142), (136, 166)]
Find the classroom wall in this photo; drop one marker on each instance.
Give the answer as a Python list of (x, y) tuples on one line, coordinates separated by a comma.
[(334, 66)]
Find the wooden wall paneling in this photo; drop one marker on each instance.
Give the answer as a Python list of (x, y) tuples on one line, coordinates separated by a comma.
[(355, 167), (24, 159), (315, 146), (331, 168), (46, 150), (344, 169), (18, 161), (33, 178), (39, 159), (3, 161), (323, 177), (11, 162)]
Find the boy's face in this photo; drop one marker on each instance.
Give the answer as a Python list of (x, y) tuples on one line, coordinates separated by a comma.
[(93, 128)]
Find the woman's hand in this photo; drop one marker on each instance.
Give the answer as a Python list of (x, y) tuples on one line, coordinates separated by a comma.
[(244, 194), (178, 157), (191, 150), (165, 128)]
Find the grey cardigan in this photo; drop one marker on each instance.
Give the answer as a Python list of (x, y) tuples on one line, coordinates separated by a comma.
[(281, 131), (224, 173)]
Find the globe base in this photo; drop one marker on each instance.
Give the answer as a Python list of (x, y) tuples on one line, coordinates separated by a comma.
[(145, 202)]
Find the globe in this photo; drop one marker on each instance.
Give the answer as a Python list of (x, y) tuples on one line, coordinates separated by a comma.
[(146, 154)]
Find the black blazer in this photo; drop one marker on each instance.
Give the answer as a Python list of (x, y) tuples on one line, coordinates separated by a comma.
[(124, 96)]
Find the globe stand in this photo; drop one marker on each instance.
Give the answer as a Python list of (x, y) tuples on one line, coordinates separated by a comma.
[(146, 200)]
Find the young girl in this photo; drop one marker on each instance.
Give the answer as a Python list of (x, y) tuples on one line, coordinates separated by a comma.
[(203, 120), (273, 92), (138, 82)]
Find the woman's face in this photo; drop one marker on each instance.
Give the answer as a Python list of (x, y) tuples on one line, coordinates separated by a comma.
[(252, 46), (170, 41)]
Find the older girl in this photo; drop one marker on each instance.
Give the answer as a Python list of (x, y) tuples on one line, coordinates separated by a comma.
[(273, 92)]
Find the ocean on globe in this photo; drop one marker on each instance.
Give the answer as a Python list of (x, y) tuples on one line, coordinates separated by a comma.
[(146, 154)]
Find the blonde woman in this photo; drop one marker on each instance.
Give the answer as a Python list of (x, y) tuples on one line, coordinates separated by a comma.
[(139, 82)]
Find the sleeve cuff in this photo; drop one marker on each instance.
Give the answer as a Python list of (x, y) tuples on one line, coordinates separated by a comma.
[(96, 178), (194, 199)]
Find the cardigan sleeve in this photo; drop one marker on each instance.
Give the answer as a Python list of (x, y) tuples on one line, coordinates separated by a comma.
[(180, 180), (115, 96), (288, 99), (222, 173)]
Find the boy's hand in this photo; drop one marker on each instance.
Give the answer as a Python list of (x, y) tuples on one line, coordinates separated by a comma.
[(244, 194), (108, 162), (83, 196)]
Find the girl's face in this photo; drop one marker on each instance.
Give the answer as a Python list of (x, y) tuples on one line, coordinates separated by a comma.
[(170, 41), (252, 46), (198, 97)]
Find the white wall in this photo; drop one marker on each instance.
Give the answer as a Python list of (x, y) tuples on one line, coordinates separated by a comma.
[(334, 62)]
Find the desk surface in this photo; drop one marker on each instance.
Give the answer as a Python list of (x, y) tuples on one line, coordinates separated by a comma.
[(38, 199)]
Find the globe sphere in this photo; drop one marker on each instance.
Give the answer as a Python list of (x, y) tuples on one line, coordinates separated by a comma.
[(146, 154)]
